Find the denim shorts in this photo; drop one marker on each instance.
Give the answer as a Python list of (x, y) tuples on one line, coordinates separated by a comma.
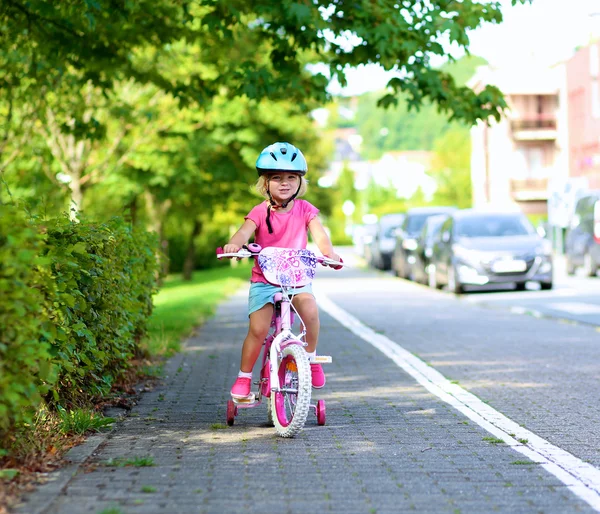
[(261, 294)]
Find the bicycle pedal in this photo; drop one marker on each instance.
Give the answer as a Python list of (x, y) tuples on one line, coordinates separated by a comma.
[(323, 359), (249, 399)]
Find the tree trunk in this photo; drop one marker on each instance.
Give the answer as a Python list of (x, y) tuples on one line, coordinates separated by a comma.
[(76, 196), (132, 210), (190, 257), (157, 213)]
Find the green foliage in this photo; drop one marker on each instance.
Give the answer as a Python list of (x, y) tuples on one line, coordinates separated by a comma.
[(82, 421), (181, 305), (26, 372), (451, 168), (402, 128), (136, 462), (104, 275), (268, 46), (74, 302)]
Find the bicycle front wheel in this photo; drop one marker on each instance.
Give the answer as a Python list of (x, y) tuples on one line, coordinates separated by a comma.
[(290, 405)]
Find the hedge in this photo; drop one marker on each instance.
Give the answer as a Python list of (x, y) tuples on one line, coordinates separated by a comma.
[(75, 300), (26, 371)]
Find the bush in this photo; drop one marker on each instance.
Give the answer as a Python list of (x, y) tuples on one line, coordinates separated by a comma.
[(75, 299), (25, 363), (104, 276)]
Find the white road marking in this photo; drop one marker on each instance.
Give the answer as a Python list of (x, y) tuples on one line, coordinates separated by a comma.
[(580, 477), (575, 307)]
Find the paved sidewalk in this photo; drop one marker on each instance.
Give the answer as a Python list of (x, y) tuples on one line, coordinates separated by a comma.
[(389, 446)]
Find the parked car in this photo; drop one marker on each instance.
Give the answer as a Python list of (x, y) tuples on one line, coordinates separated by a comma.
[(406, 237), (475, 248), (424, 251), (582, 247), (362, 237), (382, 246)]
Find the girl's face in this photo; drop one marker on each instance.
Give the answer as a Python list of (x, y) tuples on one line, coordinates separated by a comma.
[(283, 185)]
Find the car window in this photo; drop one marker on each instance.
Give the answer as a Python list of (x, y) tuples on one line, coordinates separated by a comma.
[(416, 222), (389, 232), (493, 226)]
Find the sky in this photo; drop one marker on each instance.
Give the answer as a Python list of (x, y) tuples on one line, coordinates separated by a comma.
[(545, 30)]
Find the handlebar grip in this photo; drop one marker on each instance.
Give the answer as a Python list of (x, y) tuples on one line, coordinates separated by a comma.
[(338, 267)]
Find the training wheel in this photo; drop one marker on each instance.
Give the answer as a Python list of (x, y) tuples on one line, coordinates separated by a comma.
[(231, 412), (321, 412)]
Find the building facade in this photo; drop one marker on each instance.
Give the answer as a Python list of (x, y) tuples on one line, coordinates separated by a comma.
[(518, 159), (583, 94)]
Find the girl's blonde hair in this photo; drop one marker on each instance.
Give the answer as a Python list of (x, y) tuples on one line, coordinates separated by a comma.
[(261, 186)]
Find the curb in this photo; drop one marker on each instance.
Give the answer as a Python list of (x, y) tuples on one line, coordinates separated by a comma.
[(45, 494)]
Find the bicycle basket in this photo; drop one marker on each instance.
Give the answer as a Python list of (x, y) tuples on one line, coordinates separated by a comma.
[(287, 267)]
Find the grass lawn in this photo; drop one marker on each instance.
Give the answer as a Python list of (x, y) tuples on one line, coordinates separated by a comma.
[(180, 306)]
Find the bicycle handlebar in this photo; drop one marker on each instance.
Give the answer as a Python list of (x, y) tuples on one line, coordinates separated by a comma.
[(252, 250)]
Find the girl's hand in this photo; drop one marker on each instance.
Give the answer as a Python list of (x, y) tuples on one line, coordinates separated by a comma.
[(229, 248), (335, 257)]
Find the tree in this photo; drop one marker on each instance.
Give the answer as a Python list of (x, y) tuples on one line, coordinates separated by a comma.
[(107, 41), (400, 128), (451, 168)]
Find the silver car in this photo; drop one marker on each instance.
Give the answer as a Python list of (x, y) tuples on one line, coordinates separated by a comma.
[(476, 248)]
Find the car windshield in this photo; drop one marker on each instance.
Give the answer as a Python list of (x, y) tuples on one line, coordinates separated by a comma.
[(433, 226), (416, 222), (493, 226)]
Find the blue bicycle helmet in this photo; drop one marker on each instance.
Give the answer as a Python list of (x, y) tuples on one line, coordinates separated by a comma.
[(281, 157)]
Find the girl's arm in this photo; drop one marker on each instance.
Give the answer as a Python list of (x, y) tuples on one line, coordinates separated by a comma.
[(241, 237), (321, 239)]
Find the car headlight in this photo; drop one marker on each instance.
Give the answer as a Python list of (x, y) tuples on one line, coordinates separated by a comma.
[(465, 254), (544, 249), (410, 244)]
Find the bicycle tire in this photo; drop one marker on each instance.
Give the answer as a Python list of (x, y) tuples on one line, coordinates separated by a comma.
[(290, 410)]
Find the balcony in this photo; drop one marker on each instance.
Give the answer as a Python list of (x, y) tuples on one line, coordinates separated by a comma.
[(537, 127), (529, 189)]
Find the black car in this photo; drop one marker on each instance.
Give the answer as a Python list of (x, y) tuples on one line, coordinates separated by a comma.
[(421, 269), (382, 245), (582, 246), (475, 248), (406, 238)]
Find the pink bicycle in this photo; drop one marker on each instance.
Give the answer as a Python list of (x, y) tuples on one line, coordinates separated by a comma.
[(285, 378)]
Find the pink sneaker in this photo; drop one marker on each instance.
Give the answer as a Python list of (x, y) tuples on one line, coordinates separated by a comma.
[(241, 388), (318, 377)]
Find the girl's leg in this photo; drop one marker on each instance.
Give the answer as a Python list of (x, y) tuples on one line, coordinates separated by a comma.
[(306, 305), (260, 321)]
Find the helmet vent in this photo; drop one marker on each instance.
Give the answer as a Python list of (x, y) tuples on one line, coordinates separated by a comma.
[(283, 150), (273, 155), (294, 156)]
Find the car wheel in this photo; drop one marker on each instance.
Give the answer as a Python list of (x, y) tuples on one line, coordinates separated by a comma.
[(520, 286), (546, 285), (454, 285), (589, 267)]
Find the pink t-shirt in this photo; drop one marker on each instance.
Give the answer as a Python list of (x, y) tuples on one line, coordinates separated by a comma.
[(290, 229)]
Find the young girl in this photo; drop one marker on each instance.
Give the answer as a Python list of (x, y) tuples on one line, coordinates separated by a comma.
[(282, 221)]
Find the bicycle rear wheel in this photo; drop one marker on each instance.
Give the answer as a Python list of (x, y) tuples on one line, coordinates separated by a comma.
[(290, 406)]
